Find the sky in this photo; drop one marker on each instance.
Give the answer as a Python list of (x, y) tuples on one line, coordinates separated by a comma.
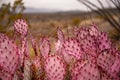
[(65, 5), (56, 4)]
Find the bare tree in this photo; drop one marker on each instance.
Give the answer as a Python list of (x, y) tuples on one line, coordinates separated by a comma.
[(103, 12)]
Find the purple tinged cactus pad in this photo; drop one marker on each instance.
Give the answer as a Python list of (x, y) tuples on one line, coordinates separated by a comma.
[(105, 60), (76, 30), (81, 33), (23, 51), (87, 37), (44, 47), (4, 75), (60, 35), (61, 39), (93, 30), (72, 47), (103, 42), (21, 26), (9, 57), (3, 37), (109, 62), (58, 46), (116, 66), (114, 71), (75, 69), (85, 70), (55, 68), (89, 46), (33, 41), (105, 76)]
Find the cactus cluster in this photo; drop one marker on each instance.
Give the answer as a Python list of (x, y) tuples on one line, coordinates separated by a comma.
[(88, 55)]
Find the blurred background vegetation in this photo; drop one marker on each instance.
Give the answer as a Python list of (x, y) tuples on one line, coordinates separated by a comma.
[(8, 13)]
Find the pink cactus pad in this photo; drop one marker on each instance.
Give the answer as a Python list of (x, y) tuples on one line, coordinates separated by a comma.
[(116, 66), (85, 70), (93, 30), (44, 47), (55, 68), (103, 42), (60, 41), (58, 46), (105, 60), (82, 33), (114, 71), (4, 75), (9, 57), (3, 37), (89, 46), (24, 50), (72, 47), (76, 30), (21, 26), (105, 76), (60, 35)]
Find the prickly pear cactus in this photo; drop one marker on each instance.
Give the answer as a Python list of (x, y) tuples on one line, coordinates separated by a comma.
[(9, 58), (103, 42), (4, 75), (21, 26), (114, 71), (105, 76), (105, 60), (44, 47), (88, 55), (87, 37), (60, 41), (60, 35), (81, 33), (85, 71), (71, 47), (89, 46), (55, 68), (115, 68), (93, 30), (23, 50), (3, 37)]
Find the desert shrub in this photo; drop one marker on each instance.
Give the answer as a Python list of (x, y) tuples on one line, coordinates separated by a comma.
[(76, 21), (106, 13), (9, 13)]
